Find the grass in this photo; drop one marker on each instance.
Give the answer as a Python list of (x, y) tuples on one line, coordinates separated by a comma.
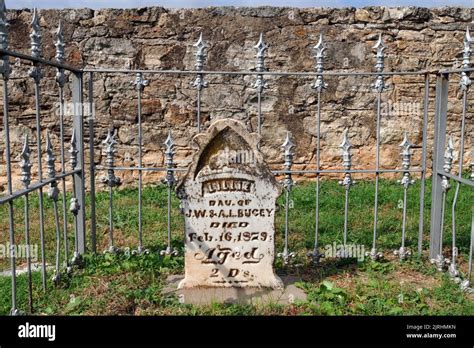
[(128, 284)]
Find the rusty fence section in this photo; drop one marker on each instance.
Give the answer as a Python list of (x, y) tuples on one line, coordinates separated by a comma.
[(71, 170)]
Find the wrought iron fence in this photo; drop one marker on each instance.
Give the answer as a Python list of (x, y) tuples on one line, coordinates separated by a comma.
[(76, 170), (37, 183)]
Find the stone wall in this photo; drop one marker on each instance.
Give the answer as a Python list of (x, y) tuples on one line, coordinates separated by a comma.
[(158, 38)]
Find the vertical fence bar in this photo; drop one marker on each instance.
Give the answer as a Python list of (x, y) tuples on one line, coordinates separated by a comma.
[(74, 205), (79, 179), (454, 273), (316, 255), (319, 85), (377, 177), (346, 182), (170, 182), (111, 180), (12, 253), (260, 83), (438, 146), (60, 80), (36, 74), (25, 165), (198, 111), (421, 223), (379, 87), (53, 193), (199, 82), (406, 181), (5, 70), (140, 84), (288, 184), (92, 161), (140, 173)]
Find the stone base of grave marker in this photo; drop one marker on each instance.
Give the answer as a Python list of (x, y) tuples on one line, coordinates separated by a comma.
[(204, 296)]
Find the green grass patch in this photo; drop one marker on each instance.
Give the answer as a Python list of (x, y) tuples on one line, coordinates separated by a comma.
[(131, 285)]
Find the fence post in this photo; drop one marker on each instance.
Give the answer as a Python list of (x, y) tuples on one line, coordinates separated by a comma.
[(438, 157), (92, 163), (79, 179)]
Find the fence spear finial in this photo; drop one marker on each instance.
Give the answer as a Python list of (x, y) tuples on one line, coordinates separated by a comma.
[(380, 47), (346, 160), (346, 155), (465, 81), (288, 154), (200, 55), (35, 35), (449, 155), (287, 147), (169, 153), (60, 45), (261, 46), (319, 48), (60, 54), (73, 151), (467, 49), (169, 144), (406, 154), (199, 82), (109, 142), (406, 145), (3, 26), (448, 164), (5, 64)]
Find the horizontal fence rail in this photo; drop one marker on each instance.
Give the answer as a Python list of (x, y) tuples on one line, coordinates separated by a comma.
[(102, 235)]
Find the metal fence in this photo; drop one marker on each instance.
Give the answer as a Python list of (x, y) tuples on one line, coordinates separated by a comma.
[(442, 166), (81, 176), (74, 170)]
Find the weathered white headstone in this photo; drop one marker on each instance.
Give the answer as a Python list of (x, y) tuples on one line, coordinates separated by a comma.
[(228, 196)]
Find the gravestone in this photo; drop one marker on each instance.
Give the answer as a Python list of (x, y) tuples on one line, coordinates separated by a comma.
[(228, 198)]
